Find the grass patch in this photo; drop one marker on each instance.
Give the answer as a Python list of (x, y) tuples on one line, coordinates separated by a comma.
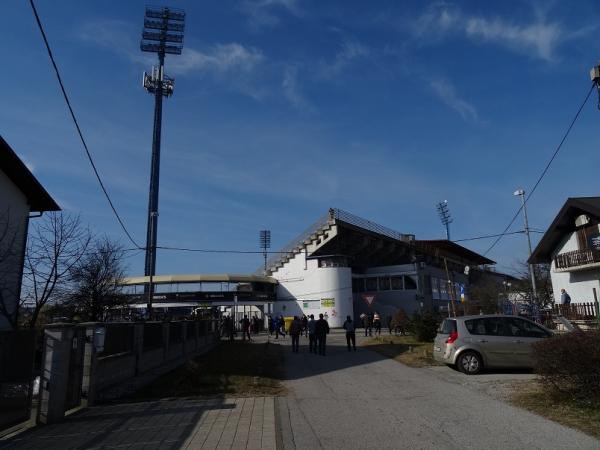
[(405, 349), (559, 408), (232, 369)]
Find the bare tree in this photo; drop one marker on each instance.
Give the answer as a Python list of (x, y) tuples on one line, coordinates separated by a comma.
[(543, 282), (56, 244), (95, 282)]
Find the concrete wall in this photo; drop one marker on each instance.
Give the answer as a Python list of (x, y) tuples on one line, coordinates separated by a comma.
[(306, 288), (579, 284), (14, 212)]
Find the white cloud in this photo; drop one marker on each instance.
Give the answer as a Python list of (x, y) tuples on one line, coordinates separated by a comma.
[(538, 39), (291, 89), (349, 52), (447, 94), (264, 13), (218, 58)]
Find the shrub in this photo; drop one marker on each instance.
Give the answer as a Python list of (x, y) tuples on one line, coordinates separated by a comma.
[(400, 321), (570, 364), (424, 326)]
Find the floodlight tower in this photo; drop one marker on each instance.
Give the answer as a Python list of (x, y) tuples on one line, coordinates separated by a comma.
[(444, 213), (265, 244), (162, 34)]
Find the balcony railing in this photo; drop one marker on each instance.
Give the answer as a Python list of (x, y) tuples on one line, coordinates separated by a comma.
[(576, 258)]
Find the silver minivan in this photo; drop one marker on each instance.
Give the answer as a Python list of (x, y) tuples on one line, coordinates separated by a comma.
[(471, 343)]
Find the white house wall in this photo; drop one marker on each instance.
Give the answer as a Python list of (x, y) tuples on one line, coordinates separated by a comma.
[(314, 290), (13, 225), (579, 284)]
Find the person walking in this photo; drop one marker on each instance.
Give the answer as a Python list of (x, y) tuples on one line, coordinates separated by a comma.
[(230, 327), (377, 323), (565, 299), (321, 332), (295, 330), (270, 324), (370, 323), (245, 322), (365, 322), (304, 325), (350, 333), (312, 339), (388, 320)]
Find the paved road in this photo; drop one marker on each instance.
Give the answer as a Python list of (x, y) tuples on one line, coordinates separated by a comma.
[(365, 401)]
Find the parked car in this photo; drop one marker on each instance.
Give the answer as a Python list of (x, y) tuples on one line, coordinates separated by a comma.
[(471, 343)]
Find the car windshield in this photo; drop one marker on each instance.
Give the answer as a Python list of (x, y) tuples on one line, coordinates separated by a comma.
[(448, 326)]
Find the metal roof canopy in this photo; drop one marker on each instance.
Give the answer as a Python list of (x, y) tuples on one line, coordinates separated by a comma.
[(564, 222), (198, 278)]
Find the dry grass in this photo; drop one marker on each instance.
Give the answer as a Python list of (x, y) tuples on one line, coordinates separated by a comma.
[(559, 408), (232, 369), (405, 349)]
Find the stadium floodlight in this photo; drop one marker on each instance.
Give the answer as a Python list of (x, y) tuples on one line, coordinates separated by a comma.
[(162, 34), (444, 214), (265, 244)]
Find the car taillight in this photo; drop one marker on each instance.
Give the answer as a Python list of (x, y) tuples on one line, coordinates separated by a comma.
[(453, 337)]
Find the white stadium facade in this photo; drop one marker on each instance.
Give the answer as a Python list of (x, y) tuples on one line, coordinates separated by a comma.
[(342, 265)]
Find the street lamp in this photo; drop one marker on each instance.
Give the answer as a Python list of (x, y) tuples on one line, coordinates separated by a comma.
[(521, 193)]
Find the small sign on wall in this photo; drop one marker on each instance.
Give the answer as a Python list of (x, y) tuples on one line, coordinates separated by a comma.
[(327, 302)]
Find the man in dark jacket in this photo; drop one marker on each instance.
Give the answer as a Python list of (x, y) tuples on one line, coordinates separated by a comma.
[(321, 332), (350, 333)]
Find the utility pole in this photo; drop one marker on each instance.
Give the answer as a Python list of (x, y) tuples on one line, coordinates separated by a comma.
[(521, 193), (444, 213), (162, 34)]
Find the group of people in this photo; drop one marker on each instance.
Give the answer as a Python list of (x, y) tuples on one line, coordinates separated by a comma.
[(372, 321), (247, 325), (315, 330)]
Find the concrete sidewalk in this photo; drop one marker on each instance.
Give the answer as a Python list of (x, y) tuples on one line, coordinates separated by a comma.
[(230, 423), (362, 400)]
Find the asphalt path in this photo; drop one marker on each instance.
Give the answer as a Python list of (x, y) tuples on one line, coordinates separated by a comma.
[(362, 400)]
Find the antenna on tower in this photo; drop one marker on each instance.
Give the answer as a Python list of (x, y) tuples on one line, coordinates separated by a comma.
[(265, 244), (444, 213)]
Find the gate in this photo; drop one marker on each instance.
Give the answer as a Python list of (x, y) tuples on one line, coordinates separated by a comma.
[(17, 354), (75, 369)]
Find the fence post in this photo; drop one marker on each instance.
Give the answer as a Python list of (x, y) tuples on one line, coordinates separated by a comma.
[(90, 364), (138, 344), (597, 307), (58, 340), (166, 327)]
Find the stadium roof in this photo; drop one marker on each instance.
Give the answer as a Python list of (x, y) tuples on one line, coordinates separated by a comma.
[(198, 278)]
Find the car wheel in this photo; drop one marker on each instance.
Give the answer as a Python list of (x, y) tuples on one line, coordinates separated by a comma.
[(470, 363)]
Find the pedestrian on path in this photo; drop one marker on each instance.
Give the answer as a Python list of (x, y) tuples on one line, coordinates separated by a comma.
[(377, 323), (295, 330), (304, 325), (312, 339), (321, 332), (245, 322), (389, 323), (350, 333)]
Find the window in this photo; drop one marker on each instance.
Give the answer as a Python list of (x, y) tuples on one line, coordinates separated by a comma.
[(358, 285), (522, 328), (435, 288), (384, 283), (397, 283), (448, 326), (410, 283), (371, 284), (490, 326)]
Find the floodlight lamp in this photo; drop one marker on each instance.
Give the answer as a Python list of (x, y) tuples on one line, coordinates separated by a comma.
[(519, 192)]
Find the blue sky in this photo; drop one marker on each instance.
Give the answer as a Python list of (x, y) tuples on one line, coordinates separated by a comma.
[(284, 108)]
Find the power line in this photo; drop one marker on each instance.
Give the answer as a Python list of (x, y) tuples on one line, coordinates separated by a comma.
[(202, 250), (544, 171), (489, 236), (66, 97)]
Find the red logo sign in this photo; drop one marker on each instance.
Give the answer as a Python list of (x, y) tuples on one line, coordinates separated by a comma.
[(368, 298)]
